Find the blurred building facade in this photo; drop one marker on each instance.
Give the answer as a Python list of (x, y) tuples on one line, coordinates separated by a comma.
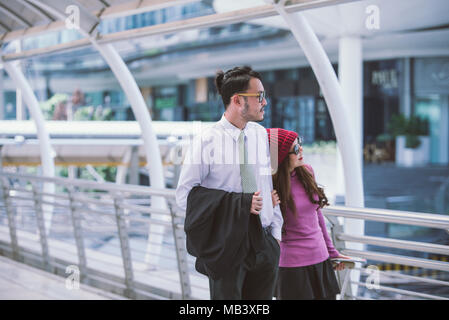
[(175, 74)]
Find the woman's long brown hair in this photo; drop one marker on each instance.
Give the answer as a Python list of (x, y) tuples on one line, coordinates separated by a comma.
[(281, 182)]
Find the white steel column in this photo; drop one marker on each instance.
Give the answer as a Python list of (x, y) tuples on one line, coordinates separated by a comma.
[(122, 170), (406, 106), (140, 110), (347, 140), (2, 100), (339, 113), (20, 108), (350, 72), (87, 27), (350, 69), (46, 151), (154, 161)]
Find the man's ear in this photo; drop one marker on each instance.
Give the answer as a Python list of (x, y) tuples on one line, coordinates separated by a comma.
[(236, 100)]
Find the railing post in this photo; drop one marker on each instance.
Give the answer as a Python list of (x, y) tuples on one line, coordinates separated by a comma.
[(78, 234), (124, 246), (181, 254), (41, 227), (11, 218), (342, 276)]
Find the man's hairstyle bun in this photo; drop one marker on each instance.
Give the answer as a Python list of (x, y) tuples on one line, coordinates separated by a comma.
[(219, 77)]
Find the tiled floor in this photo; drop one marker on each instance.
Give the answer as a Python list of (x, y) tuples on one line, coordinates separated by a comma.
[(21, 282)]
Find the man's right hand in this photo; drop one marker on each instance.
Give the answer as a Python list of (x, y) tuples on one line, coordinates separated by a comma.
[(256, 204)]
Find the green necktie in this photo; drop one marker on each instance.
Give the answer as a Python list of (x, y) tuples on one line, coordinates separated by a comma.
[(249, 184)]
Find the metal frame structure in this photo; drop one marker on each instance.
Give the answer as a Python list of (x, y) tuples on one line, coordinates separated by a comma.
[(121, 209), (302, 31), (339, 109), (332, 92), (46, 152), (211, 20)]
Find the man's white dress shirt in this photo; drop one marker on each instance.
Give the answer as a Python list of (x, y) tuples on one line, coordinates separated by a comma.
[(212, 161)]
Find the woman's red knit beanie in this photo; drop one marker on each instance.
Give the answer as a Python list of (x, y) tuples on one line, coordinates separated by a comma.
[(283, 139)]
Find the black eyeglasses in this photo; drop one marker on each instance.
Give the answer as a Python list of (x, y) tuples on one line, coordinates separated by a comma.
[(261, 95), (297, 146)]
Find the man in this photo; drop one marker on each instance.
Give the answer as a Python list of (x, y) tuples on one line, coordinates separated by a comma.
[(233, 156)]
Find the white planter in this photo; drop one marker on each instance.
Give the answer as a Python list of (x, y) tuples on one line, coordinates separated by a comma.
[(408, 157)]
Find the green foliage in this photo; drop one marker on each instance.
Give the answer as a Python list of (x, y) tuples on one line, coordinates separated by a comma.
[(48, 107), (62, 172), (94, 114), (412, 141), (399, 125), (106, 172), (411, 128), (82, 113)]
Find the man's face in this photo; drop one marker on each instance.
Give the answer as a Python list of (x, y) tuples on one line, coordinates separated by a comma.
[(253, 110)]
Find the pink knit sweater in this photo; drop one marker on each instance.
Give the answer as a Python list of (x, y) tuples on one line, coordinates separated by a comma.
[(305, 240)]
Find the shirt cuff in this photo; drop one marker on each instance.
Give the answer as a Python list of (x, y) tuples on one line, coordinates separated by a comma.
[(276, 233)]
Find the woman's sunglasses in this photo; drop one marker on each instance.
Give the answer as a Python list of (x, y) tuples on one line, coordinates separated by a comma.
[(297, 146)]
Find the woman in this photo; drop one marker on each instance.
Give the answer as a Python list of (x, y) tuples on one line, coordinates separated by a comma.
[(305, 269)]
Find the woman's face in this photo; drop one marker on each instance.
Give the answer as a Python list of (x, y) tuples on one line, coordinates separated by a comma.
[(295, 160)]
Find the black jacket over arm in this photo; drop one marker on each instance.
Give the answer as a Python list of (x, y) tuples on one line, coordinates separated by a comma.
[(220, 230)]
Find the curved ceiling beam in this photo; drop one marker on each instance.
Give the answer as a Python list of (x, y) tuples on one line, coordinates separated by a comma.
[(338, 110), (47, 153), (139, 108), (57, 8), (165, 28), (128, 84), (14, 16), (5, 27), (36, 10)]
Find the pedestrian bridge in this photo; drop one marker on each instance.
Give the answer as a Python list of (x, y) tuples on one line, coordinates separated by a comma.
[(111, 241)]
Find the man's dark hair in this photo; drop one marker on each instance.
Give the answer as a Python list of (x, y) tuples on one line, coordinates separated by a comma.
[(234, 81)]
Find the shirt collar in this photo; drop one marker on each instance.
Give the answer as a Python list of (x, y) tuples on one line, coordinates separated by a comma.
[(231, 129)]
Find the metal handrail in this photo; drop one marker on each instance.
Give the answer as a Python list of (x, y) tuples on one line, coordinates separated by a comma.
[(117, 202), (392, 216), (389, 216), (105, 186), (398, 244), (404, 292), (78, 201), (407, 277), (398, 259)]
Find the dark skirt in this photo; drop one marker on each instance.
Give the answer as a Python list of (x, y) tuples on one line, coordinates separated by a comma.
[(314, 282)]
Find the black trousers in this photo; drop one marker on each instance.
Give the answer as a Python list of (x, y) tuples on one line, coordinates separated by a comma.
[(255, 283)]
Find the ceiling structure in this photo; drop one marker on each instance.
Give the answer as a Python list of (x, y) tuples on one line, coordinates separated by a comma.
[(410, 28)]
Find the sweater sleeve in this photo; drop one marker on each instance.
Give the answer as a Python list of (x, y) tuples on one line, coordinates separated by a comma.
[(333, 253)]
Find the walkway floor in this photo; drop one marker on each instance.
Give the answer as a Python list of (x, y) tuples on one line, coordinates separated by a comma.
[(21, 282)]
